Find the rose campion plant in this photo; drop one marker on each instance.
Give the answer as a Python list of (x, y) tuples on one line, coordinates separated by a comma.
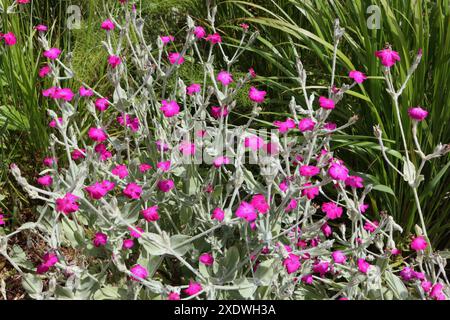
[(139, 205)]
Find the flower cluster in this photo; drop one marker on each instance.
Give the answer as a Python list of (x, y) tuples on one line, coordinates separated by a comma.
[(127, 194)]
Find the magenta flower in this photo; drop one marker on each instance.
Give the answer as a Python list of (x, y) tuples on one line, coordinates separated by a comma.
[(285, 126), (363, 265), (199, 32), (114, 61), (2, 222), (194, 288), (219, 112), (167, 39), (407, 274), (246, 211), (173, 296), (358, 76), (100, 239), (214, 38), (252, 72), (45, 70), (309, 171), (120, 170), (161, 146), (284, 185), (354, 182), (224, 77), (166, 185), (371, 227), (169, 108), (218, 214), (139, 272), (127, 244), (426, 286), (326, 103), (256, 95), (10, 39), (41, 28), (292, 263), (65, 94), (144, 167), (436, 292), (332, 210), (101, 104), (85, 92), (107, 25), (45, 181), (207, 259), (339, 257), (330, 126), (103, 152), (417, 113), (150, 214), (363, 207), (187, 148), (135, 232), (321, 267), (308, 279), (97, 134), (164, 166), (49, 161), (220, 161), (175, 58), (133, 191), (306, 124), (259, 203), (310, 192), (23, 1), (338, 172), (193, 88), (271, 148), (388, 57), (253, 142), (53, 123), (48, 261), (68, 204), (418, 243), (52, 53), (78, 154), (126, 119), (291, 206), (99, 189), (326, 230), (50, 92)]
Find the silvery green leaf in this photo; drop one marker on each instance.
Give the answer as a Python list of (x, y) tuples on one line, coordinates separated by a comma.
[(264, 273), (156, 246), (109, 293), (396, 285), (418, 180), (32, 284), (72, 233), (248, 288), (27, 225), (20, 258), (178, 239), (63, 293), (119, 94), (409, 171), (228, 264)]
